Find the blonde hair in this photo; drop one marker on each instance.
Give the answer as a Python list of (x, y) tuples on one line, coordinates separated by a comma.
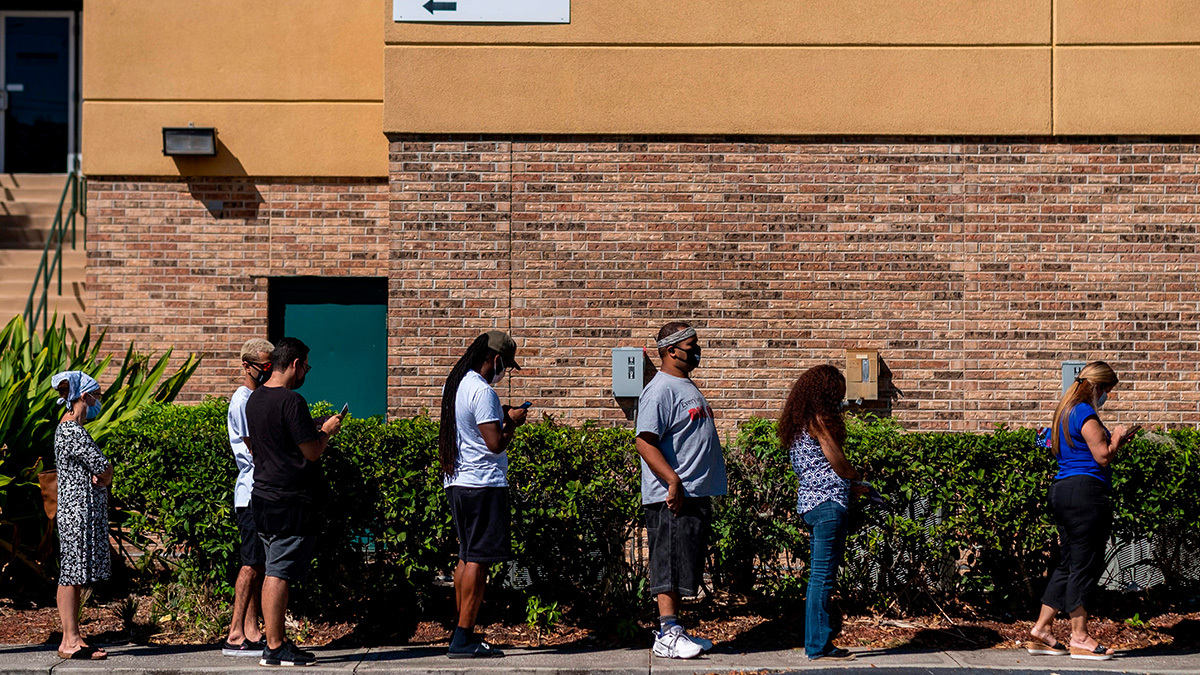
[(254, 347), (1095, 375)]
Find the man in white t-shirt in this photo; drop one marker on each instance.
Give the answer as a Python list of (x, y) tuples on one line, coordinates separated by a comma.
[(474, 435), (245, 638)]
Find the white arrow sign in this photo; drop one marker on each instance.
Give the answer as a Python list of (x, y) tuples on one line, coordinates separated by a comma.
[(482, 11)]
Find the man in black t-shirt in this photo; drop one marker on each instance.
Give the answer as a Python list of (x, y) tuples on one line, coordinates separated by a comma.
[(286, 446)]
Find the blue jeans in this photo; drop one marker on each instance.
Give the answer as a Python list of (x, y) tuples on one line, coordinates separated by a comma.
[(828, 524)]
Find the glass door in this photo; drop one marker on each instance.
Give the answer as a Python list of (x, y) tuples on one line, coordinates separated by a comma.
[(38, 52)]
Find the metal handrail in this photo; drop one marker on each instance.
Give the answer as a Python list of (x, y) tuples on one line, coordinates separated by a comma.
[(76, 186)]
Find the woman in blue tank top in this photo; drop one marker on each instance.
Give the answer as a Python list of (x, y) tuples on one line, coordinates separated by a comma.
[(1081, 502)]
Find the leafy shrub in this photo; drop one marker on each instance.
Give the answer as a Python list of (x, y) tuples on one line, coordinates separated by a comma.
[(967, 516), (388, 531)]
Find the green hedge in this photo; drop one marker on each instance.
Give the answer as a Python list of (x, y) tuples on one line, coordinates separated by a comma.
[(387, 533), (967, 517)]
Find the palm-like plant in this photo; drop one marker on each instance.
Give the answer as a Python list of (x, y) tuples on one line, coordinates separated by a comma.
[(28, 418)]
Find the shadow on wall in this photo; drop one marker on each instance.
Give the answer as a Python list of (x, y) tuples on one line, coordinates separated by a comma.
[(222, 198), (889, 393), (225, 163)]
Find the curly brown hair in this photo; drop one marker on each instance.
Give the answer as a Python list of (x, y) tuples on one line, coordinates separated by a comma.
[(817, 393)]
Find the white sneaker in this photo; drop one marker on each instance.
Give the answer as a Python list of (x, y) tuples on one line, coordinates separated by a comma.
[(675, 644), (704, 643)]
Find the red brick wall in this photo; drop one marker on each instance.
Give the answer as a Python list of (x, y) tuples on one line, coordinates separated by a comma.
[(166, 271), (973, 266)]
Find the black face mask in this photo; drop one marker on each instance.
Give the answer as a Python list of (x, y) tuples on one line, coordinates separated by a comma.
[(264, 372), (691, 356)]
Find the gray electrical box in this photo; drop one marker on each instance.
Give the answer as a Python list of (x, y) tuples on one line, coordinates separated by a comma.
[(627, 372), (1070, 371)]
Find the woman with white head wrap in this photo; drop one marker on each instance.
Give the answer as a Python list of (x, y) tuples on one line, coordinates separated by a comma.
[(84, 475)]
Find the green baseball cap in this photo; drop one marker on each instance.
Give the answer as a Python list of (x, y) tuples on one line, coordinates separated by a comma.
[(503, 344)]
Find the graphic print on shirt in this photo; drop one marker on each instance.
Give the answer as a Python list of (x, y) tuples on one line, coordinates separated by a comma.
[(675, 411)]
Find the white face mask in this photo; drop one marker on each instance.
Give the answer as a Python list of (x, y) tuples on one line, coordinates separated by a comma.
[(498, 373)]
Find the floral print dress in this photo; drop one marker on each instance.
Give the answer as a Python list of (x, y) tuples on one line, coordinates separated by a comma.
[(82, 507)]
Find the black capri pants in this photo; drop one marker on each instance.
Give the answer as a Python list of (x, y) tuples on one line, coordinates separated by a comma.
[(1082, 509)]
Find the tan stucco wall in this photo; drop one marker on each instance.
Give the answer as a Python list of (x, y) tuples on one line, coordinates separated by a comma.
[(293, 88), (913, 67), (254, 139), (1127, 21), (761, 22), (310, 87), (717, 91)]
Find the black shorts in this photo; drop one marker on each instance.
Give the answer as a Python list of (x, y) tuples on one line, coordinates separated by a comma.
[(251, 551), (481, 523), (678, 545)]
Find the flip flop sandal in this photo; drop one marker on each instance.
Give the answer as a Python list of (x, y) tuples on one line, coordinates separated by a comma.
[(1039, 648), (84, 654), (1100, 653)]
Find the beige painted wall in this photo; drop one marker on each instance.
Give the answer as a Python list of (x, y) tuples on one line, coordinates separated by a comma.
[(293, 88), (760, 90), (309, 87), (761, 22), (914, 67)]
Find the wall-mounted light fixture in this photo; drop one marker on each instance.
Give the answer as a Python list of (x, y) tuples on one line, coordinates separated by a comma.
[(189, 141)]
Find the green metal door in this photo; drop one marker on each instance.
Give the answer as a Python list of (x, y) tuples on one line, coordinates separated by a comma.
[(344, 324)]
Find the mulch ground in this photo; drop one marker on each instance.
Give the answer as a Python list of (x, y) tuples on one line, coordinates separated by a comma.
[(736, 624)]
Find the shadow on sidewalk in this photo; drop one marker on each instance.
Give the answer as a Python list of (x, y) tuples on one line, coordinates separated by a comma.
[(410, 653)]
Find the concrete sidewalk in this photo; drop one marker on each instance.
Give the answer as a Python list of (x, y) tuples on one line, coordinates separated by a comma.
[(157, 660)]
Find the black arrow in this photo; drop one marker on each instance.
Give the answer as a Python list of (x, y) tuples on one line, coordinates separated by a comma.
[(440, 6)]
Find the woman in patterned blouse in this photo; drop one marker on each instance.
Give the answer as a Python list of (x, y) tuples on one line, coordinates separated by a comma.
[(812, 429), (83, 479)]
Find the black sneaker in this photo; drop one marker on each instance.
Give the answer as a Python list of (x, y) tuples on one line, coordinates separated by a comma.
[(474, 649), (288, 654), (835, 654), (247, 648)]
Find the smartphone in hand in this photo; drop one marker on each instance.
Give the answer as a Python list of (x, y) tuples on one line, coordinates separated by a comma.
[(526, 404), (345, 409), (1130, 433)]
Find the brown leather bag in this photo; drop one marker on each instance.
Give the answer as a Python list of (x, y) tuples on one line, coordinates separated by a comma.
[(48, 481)]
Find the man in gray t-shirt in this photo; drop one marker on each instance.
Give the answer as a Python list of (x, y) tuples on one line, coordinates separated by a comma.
[(682, 467)]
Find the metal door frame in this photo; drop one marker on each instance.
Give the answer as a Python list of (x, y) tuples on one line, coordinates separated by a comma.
[(72, 138)]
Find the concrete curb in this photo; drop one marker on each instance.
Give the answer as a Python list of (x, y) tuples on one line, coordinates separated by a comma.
[(161, 660)]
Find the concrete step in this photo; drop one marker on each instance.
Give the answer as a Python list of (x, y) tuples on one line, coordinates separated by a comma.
[(25, 258), (72, 301), (27, 231), (33, 180), (38, 194), (31, 207), (24, 275), (19, 288), (24, 237)]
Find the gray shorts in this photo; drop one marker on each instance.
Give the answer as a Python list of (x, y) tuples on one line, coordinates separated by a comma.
[(288, 532), (288, 556), (678, 545)]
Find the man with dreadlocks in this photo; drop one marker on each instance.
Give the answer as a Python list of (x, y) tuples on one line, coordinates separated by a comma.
[(474, 434), (682, 468)]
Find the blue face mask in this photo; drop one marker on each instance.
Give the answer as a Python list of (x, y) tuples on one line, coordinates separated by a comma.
[(93, 411)]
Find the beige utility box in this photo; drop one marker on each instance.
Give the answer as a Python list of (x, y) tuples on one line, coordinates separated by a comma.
[(862, 374)]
